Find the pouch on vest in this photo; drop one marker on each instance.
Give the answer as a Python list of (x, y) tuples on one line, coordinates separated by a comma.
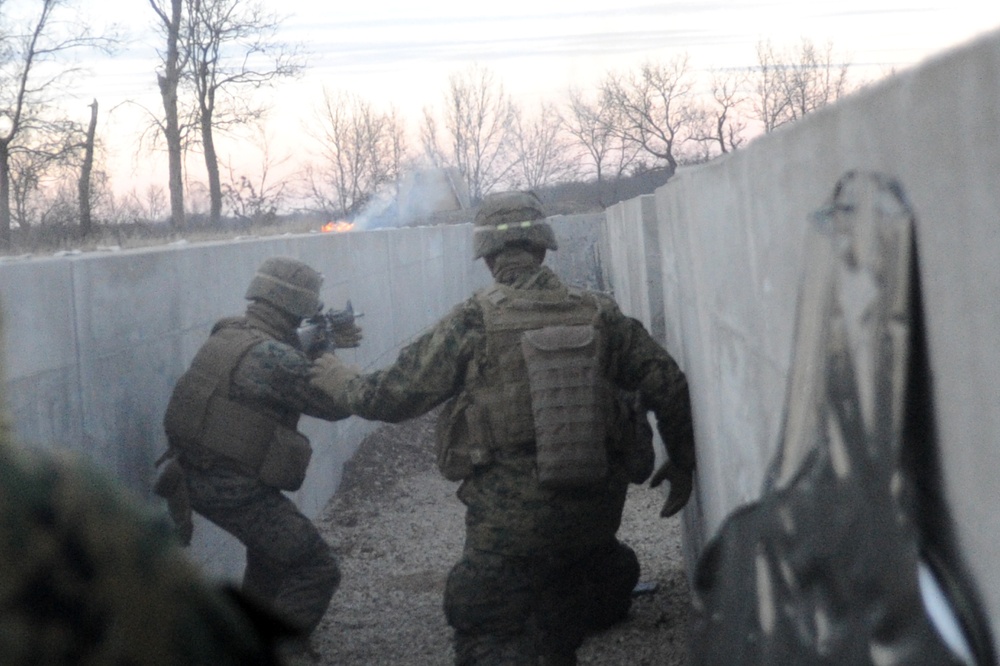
[(275, 454), (458, 451), (187, 407), (236, 432), (569, 400), (285, 460)]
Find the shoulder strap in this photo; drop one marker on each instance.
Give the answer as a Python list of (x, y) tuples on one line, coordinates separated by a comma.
[(223, 351)]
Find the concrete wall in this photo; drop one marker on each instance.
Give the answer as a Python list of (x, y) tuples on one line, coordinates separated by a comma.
[(93, 343), (729, 238)]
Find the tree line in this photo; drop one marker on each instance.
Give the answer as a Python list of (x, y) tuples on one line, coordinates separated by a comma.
[(217, 56)]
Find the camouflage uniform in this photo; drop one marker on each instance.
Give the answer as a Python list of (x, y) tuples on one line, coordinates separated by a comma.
[(87, 577), (288, 564), (541, 568)]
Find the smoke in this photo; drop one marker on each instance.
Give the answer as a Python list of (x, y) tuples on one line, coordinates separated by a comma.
[(423, 195)]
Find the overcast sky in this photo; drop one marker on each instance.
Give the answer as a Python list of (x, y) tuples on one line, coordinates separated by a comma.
[(544, 45), (385, 47), (401, 52)]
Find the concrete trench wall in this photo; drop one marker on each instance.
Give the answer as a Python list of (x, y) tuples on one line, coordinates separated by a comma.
[(716, 255), (711, 263), (93, 343)]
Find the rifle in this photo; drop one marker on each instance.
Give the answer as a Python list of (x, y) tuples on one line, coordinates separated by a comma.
[(326, 331)]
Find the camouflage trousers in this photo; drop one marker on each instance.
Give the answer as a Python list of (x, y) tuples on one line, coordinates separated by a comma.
[(289, 565), (520, 610)]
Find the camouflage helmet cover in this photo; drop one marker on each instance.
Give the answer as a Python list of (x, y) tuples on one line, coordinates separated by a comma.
[(287, 284), (510, 217)]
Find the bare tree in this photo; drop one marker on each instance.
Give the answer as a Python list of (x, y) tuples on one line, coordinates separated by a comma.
[(154, 201), (32, 77), (720, 125), (478, 117), (360, 152), (654, 107), (769, 101), (86, 169), (256, 199), (28, 170), (174, 62), (130, 207), (231, 51), (592, 124), (44, 162), (788, 85), (541, 148), (430, 141)]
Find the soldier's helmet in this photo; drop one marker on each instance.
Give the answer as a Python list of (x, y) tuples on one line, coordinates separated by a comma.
[(507, 218), (287, 284)]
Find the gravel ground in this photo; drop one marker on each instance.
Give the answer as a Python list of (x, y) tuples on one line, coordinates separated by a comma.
[(397, 528)]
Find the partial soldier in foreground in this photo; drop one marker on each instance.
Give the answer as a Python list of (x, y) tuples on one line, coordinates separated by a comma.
[(546, 391), (89, 577), (234, 446)]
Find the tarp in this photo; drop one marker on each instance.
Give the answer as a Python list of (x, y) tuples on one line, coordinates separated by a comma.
[(836, 562)]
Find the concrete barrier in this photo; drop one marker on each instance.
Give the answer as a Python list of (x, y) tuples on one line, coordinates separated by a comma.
[(730, 238), (94, 342)]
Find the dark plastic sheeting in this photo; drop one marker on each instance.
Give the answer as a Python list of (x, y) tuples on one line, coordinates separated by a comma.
[(833, 565)]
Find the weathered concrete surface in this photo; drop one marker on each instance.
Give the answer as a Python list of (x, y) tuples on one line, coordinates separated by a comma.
[(731, 247), (93, 343)]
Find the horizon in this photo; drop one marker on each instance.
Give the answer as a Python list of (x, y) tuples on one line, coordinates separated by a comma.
[(389, 52)]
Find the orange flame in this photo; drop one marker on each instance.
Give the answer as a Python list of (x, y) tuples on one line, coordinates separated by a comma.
[(342, 225)]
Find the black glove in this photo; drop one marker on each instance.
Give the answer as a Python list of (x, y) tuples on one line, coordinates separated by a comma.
[(681, 484)]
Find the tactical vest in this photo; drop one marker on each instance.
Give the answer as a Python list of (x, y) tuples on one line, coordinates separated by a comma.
[(201, 414), (541, 387)]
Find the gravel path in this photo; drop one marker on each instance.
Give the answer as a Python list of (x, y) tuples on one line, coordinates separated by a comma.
[(397, 528)]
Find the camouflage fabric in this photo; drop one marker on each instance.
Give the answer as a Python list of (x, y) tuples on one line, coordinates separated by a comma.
[(274, 375), (491, 601), (512, 523), (507, 511), (289, 566), (88, 577)]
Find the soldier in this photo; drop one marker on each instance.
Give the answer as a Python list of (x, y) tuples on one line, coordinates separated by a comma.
[(234, 445), (89, 576), (537, 381)]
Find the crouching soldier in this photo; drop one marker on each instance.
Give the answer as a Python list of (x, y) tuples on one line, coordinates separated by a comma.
[(532, 375), (234, 446)]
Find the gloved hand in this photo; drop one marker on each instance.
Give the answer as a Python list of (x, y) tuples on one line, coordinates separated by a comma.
[(681, 484), (171, 486), (330, 375), (346, 336)]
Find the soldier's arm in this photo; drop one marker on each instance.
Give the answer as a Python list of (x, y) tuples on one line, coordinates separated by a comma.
[(275, 374), (425, 374), (640, 364)]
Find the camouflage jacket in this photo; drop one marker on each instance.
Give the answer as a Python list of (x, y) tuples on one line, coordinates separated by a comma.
[(89, 577), (273, 378), (507, 511)]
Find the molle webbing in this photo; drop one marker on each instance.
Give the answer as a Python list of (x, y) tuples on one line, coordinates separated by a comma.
[(570, 399), (201, 413), (504, 398)]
